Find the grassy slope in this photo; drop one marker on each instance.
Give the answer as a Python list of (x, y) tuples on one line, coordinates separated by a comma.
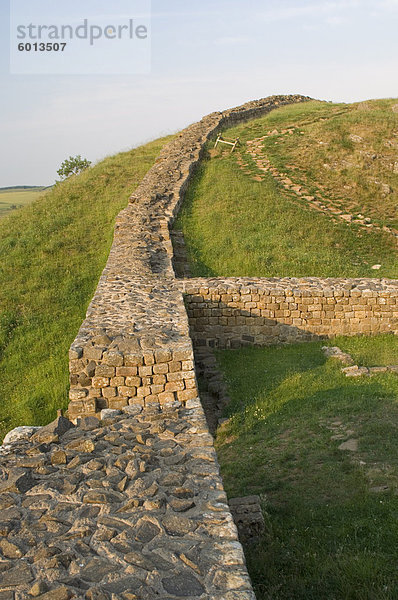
[(330, 533), (52, 253), (256, 228), (345, 153), (10, 199)]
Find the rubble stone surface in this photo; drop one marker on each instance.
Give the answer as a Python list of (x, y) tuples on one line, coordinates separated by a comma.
[(135, 509)]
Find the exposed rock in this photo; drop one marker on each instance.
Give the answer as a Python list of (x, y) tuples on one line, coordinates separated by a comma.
[(355, 371), (59, 593), (108, 413), (18, 434), (58, 457), (53, 431), (179, 526), (88, 423), (18, 481), (38, 588), (335, 352), (351, 445), (248, 517), (17, 576), (183, 585)]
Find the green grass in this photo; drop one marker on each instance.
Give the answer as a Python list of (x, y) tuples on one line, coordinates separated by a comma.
[(322, 155), (52, 253), (235, 226), (331, 532), (13, 198)]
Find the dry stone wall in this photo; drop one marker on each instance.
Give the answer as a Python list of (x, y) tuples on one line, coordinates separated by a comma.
[(134, 347), (233, 312), (125, 500)]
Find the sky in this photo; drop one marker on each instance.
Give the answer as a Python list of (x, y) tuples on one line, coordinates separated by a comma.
[(205, 56)]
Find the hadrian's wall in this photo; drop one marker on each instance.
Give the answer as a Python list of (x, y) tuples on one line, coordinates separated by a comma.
[(130, 506), (134, 346), (134, 352), (133, 506)]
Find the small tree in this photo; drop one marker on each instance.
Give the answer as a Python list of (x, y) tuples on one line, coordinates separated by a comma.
[(72, 166)]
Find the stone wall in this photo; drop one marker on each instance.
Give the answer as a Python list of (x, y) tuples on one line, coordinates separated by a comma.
[(133, 505), (234, 312), (134, 352), (134, 347)]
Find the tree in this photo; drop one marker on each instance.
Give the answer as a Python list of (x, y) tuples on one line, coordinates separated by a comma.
[(72, 166)]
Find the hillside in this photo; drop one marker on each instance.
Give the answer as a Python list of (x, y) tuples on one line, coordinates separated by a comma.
[(312, 190), (52, 253), (309, 428)]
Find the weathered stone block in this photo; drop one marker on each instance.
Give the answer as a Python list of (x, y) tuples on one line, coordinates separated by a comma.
[(185, 395), (133, 360), (127, 391), (163, 356), (126, 371), (161, 368), (133, 381), (113, 359), (143, 391), (145, 371), (174, 386), (149, 358), (105, 371), (179, 355), (109, 392), (100, 382), (77, 394), (93, 352)]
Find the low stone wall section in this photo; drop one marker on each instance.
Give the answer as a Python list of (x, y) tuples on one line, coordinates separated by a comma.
[(234, 312)]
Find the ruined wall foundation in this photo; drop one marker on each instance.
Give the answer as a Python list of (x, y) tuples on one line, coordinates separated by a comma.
[(134, 347)]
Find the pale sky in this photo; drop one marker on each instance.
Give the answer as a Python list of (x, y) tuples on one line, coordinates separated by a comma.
[(205, 56)]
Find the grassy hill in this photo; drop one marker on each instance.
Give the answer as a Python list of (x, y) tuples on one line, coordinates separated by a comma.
[(308, 193), (52, 253), (15, 197)]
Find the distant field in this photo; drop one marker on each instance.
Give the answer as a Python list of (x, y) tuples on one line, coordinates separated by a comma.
[(13, 198), (239, 220)]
